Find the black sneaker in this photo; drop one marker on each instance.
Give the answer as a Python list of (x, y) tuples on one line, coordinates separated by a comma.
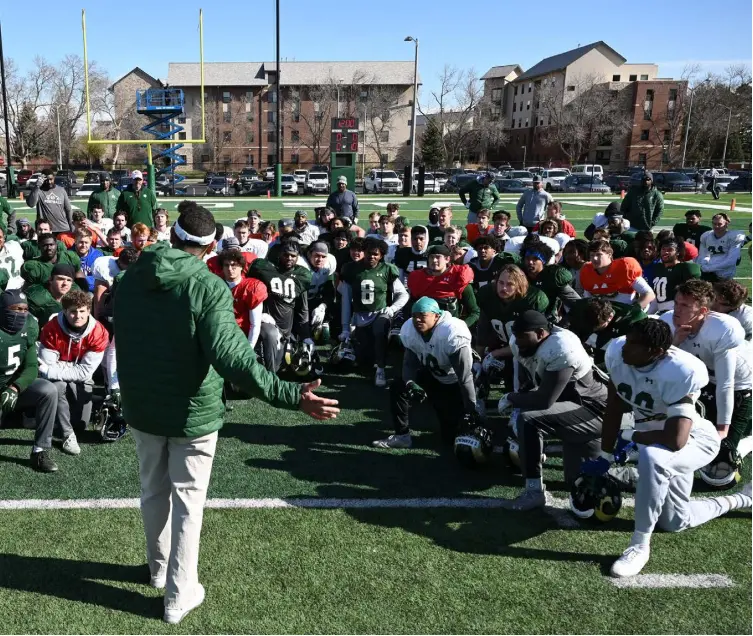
[(42, 462)]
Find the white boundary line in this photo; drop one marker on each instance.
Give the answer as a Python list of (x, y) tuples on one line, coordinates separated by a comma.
[(661, 581)]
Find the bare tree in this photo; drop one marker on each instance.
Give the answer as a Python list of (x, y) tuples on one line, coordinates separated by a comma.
[(577, 121), (314, 124), (114, 119), (225, 128)]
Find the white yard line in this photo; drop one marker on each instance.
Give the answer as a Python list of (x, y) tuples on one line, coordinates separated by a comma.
[(662, 581)]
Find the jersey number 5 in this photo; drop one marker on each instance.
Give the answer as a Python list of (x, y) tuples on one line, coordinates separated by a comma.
[(13, 360)]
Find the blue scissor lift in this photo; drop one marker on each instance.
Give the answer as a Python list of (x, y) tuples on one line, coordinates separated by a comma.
[(163, 106)]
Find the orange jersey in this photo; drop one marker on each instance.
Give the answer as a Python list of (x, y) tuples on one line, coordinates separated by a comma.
[(473, 231), (247, 295), (616, 282)]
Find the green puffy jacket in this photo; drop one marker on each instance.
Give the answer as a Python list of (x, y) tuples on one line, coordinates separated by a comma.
[(643, 208), (479, 195), (108, 199), (138, 208), (41, 304), (177, 339)]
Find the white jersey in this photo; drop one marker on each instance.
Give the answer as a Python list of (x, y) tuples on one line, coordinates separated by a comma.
[(11, 259), (653, 389), (392, 245), (515, 244), (720, 255), (448, 337), (308, 234), (744, 315), (721, 345), (255, 246), (562, 349), (321, 276), (163, 236), (105, 269), (104, 226)]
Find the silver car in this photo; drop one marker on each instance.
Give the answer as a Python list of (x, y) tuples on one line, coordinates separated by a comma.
[(218, 187)]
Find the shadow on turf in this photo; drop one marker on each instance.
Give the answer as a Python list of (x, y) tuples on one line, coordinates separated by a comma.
[(75, 580)]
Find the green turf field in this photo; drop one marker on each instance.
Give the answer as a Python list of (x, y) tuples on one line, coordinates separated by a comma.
[(317, 543)]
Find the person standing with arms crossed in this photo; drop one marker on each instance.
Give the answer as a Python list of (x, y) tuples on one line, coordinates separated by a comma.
[(482, 193), (176, 431)]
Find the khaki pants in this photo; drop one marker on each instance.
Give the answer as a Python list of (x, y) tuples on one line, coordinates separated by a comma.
[(174, 475)]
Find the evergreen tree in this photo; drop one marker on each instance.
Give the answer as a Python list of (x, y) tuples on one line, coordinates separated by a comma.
[(432, 149)]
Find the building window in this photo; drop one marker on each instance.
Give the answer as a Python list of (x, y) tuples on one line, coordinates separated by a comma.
[(633, 78), (537, 104), (272, 136), (516, 91), (227, 116), (549, 121), (182, 136), (227, 136), (541, 121), (384, 135), (249, 159), (666, 135), (603, 156), (226, 160), (571, 89), (384, 158), (615, 78), (642, 158), (528, 105), (271, 159), (665, 156), (225, 97), (295, 135), (295, 158), (672, 94), (182, 118), (648, 105), (644, 135), (526, 122), (530, 87), (514, 107), (496, 112), (271, 116), (496, 94), (249, 136), (272, 97), (644, 78), (204, 158)]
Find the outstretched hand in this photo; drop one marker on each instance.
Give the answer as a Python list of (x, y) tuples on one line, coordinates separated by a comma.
[(317, 407)]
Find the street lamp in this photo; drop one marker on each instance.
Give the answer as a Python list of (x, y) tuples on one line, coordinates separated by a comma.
[(525, 148), (413, 110), (339, 83)]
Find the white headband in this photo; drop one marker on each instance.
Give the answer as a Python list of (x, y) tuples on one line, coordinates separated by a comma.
[(185, 236)]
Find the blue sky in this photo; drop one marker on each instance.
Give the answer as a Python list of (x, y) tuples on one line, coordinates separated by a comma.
[(479, 34)]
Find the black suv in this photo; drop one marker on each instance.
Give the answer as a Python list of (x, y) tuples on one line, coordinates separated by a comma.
[(68, 174)]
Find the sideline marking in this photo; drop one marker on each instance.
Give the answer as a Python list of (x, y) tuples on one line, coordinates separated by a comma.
[(660, 581)]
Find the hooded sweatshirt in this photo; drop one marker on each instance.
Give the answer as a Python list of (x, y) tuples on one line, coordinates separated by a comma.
[(68, 356), (179, 392)]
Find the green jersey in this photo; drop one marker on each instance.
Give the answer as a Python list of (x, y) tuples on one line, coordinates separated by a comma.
[(31, 249), (286, 291), (551, 281), (41, 304), (372, 288), (666, 280), (500, 315), (691, 233), (36, 271), (482, 276), (406, 260), (7, 216), (18, 356)]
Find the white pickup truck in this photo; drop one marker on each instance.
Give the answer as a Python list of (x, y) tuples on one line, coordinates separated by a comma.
[(382, 181), (316, 182)]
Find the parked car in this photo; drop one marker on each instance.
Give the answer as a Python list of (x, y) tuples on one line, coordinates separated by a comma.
[(673, 182), (288, 184), (739, 173), (228, 176), (741, 184), (618, 182), (300, 177), (552, 179), (317, 182), (260, 188), (117, 175), (535, 169), (320, 167), (33, 179), (87, 189), (246, 177), (62, 181), (722, 182), (22, 177), (441, 178), (91, 178), (585, 183), (589, 169), (430, 184), (208, 176), (382, 181), (269, 173), (218, 186), (123, 183), (457, 181), (68, 174), (510, 186), (521, 175)]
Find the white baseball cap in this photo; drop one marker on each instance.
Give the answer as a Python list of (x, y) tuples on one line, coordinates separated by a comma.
[(342, 179), (136, 174)]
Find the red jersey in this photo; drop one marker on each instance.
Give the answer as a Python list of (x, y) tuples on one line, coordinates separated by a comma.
[(214, 263), (85, 350), (616, 282), (448, 285), (473, 231), (691, 251), (247, 295)]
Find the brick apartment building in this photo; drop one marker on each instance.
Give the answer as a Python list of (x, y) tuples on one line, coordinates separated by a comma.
[(653, 105)]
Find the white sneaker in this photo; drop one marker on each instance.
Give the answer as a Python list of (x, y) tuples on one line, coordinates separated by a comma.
[(380, 378), (530, 499), (632, 561), (70, 445), (174, 616), (158, 582), (394, 441)]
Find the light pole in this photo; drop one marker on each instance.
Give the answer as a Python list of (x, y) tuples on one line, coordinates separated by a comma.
[(726, 137), (60, 143), (363, 150), (339, 84), (687, 123), (524, 157), (413, 110)]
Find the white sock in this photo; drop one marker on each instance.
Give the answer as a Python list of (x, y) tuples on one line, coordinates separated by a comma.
[(640, 539), (36, 449), (733, 502), (537, 483)]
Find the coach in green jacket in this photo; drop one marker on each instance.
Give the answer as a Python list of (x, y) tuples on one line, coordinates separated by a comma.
[(177, 340), (643, 205), (138, 202), (107, 195), (482, 193)]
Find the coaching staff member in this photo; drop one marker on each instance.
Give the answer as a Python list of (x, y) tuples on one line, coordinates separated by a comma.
[(176, 431)]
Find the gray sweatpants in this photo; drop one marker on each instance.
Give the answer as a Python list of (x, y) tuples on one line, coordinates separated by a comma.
[(74, 406), (42, 398), (666, 480)]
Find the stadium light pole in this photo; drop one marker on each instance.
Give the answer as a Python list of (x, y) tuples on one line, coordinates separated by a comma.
[(11, 191), (278, 128), (410, 38)]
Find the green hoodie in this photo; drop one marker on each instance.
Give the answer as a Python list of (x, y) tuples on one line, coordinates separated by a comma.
[(177, 339)]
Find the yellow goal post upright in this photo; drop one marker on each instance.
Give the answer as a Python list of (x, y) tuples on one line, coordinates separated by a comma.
[(143, 142)]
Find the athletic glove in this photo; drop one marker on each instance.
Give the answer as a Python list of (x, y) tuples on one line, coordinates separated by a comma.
[(114, 399), (414, 393), (598, 466), (344, 336), (8, 399), (389, 312), (623, 446), (490, 362), (504, 405)]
